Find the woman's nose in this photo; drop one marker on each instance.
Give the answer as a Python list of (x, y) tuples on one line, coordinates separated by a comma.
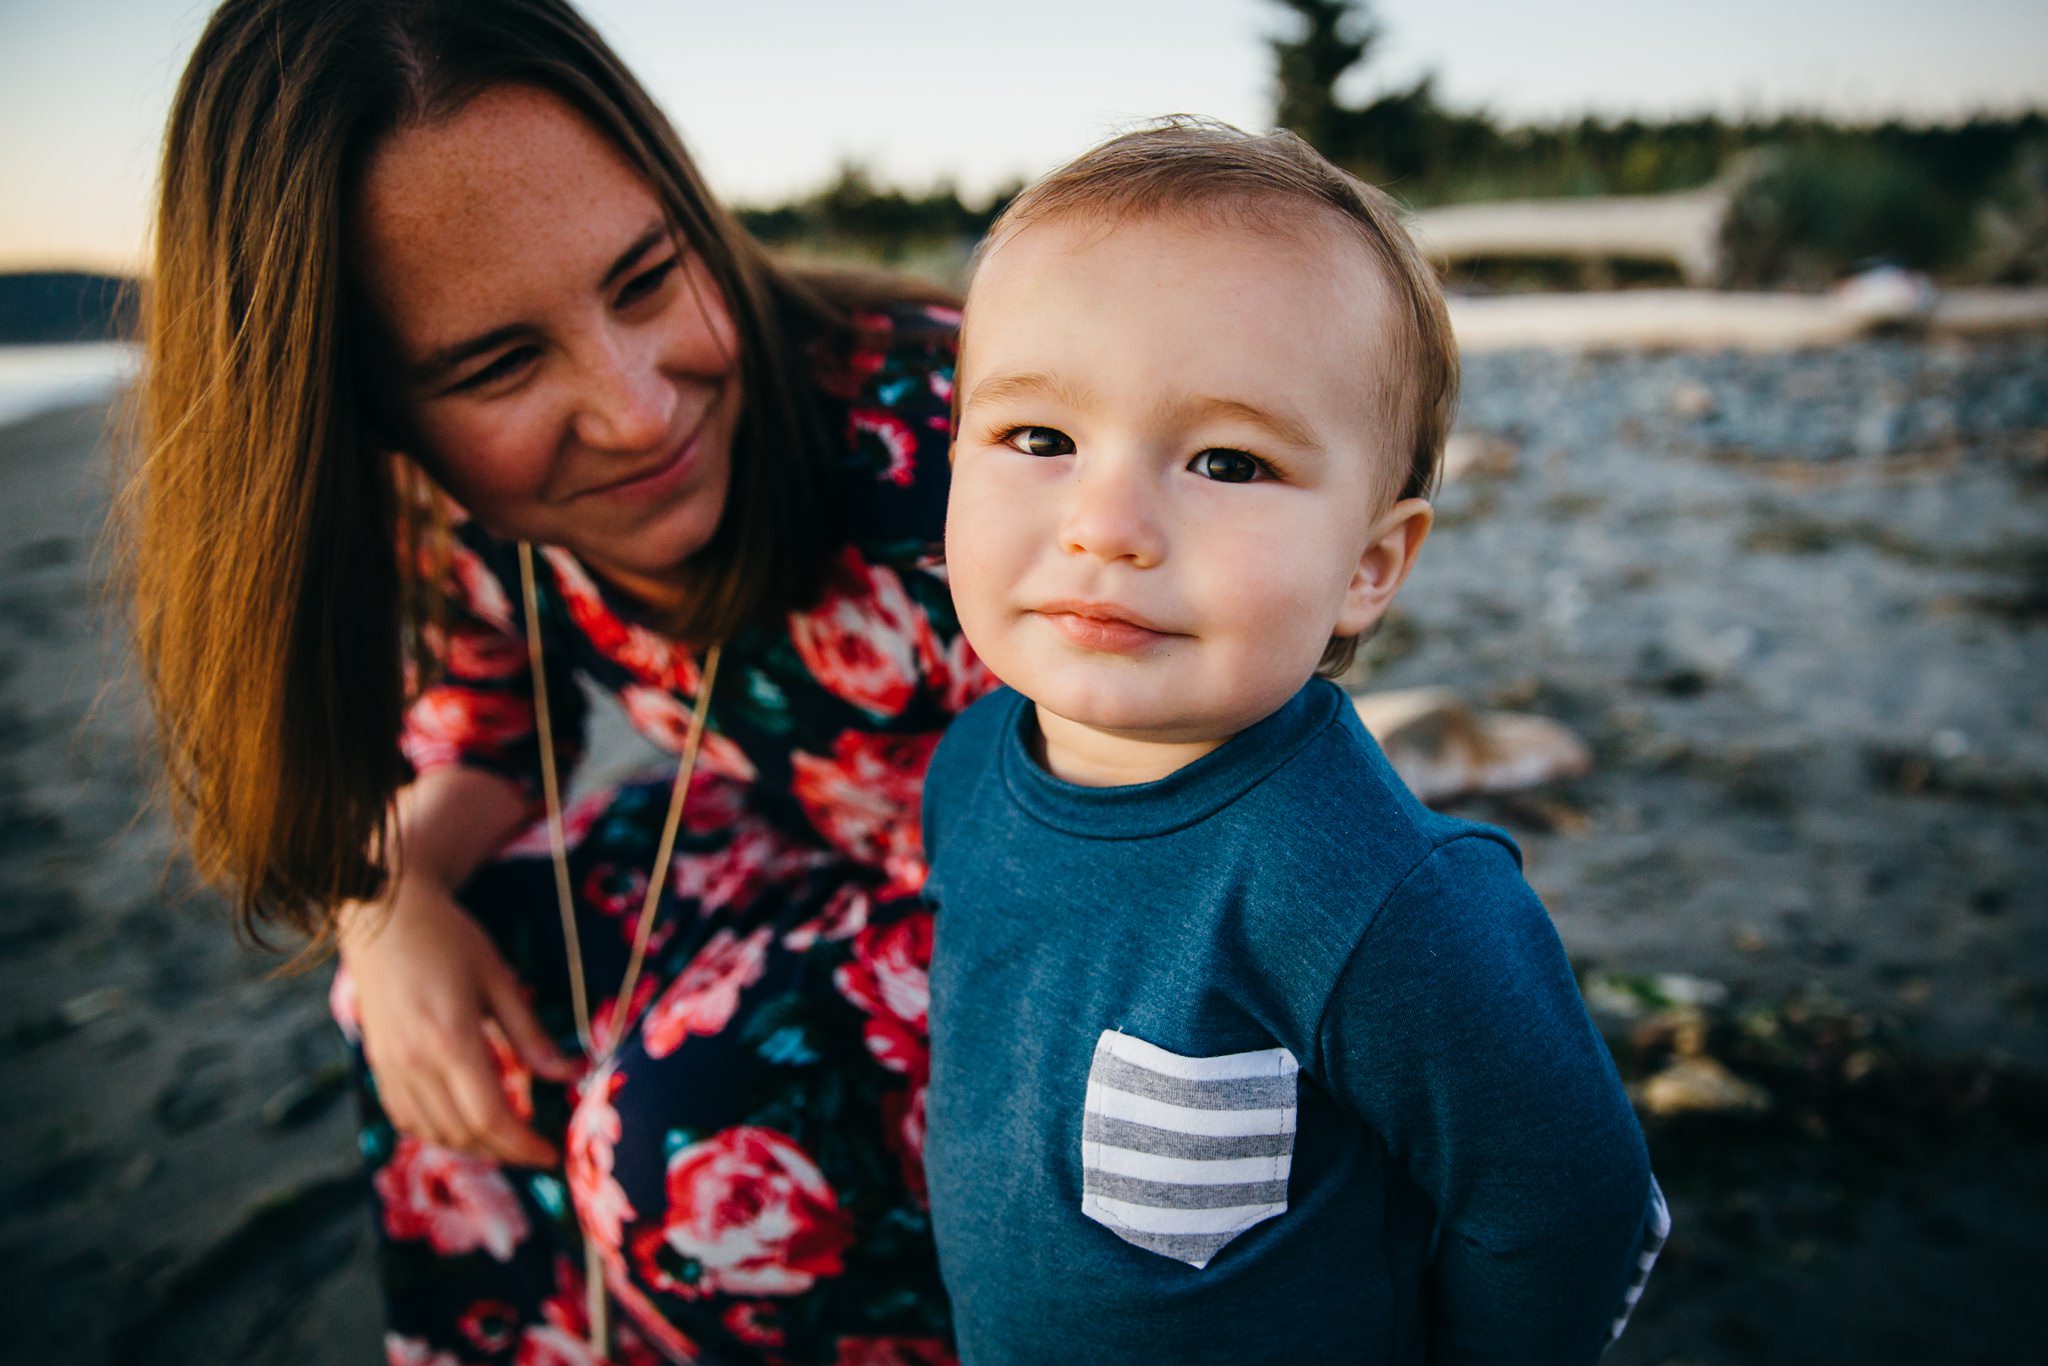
[(1111, 515), (626, 402)]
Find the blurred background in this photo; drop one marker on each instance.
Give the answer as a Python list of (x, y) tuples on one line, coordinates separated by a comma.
[(1735, 616)]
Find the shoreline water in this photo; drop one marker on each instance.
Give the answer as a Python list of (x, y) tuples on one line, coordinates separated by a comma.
[(40, 379), (36, 379)]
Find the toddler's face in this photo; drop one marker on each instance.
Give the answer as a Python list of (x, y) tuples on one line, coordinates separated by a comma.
[(1167, 468)]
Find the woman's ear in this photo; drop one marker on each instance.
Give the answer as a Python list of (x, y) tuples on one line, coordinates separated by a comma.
[(1396, 540)]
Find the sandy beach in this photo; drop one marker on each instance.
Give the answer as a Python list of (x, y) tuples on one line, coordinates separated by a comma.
[(1795, 603)]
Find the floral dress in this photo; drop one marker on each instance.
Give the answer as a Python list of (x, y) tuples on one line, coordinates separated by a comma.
[(749, 1160)]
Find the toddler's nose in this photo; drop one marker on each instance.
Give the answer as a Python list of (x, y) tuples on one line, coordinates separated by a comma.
[(1110, 516)]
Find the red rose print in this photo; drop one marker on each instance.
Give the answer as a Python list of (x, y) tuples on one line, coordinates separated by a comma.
[(447, 722), (900, 1048), (629, 1339), (646, 1322), (664, 718), (400, 1351), (842, 373), (896, 439), (567, 1308), (547, 1345), (724, 757), (650, 657), (844, 916), (615, 891), (471, 652), (456, 1202), (890, 970), (756, 855), (604, 1017), (749, 1214), (489, 1325), (619, 893), (705, 994), (893, 1352), (753, 1322), (864, 797), (859, 641), (577, 819), (477, 589), (601, 1203), (716, 799), (953, 672), (889, 977), (567, 1317), (903, 1112)]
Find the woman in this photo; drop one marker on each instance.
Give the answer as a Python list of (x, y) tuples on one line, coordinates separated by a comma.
[(461, 387)]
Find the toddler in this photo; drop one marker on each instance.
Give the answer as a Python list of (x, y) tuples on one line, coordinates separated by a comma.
[(1239, 1052)]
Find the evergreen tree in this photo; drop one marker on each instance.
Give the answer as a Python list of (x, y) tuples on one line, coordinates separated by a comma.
[(1335, 35)]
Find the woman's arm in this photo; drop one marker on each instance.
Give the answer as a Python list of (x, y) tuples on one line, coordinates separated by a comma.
[(432, 988), (450, 820)]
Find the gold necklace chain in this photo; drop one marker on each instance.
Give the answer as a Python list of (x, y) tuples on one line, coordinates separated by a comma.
[(622, 1016)]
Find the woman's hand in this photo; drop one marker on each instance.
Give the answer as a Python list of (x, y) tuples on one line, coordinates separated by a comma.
[(433, 993), (431, 989)]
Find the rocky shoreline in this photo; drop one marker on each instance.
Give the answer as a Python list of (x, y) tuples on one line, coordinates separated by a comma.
[(1793, 602)]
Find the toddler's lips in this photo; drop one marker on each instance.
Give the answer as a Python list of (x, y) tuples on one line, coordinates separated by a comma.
[(1102, 627)]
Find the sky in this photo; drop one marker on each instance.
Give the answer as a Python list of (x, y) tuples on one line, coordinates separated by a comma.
[(774, 95)]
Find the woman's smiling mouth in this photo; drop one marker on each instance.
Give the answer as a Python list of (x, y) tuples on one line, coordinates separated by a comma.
[(665, 478)]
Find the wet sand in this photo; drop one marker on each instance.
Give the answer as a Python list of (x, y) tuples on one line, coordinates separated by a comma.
[(1795, 603)]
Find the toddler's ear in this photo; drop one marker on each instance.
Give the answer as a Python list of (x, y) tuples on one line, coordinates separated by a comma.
[(1396, 540)]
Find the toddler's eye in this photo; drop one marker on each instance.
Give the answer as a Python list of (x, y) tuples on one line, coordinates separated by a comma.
[(1226, 466), (1047, 441)]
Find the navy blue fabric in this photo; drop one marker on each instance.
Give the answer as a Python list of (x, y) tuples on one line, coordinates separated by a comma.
[(1469, 1183)]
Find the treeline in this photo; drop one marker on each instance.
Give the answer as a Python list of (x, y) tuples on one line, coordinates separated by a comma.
[(43, 306), (852, 216), (1813, 196), (1433, 155)]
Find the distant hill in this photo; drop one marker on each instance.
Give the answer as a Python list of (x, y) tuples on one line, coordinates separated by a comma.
[(39, 306)]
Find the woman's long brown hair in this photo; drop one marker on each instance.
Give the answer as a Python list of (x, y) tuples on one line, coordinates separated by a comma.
[(268, 527)]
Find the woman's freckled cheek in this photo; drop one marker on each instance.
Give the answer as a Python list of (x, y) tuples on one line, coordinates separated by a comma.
[(482, 464)]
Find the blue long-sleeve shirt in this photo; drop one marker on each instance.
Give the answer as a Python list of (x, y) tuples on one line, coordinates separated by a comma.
[(1261, 1061)]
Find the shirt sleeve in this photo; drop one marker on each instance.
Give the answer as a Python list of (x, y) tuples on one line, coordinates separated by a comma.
[(1456, 1032), (478, 711)]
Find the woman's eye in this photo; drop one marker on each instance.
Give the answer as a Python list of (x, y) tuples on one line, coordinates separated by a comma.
[(647, 281), (1046, 441), (501, 368), (1226, 466)]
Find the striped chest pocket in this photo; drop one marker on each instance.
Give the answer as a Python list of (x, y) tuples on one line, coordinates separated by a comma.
[(1180, 1155)]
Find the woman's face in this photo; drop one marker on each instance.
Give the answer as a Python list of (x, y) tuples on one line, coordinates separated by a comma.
[(568, 369)]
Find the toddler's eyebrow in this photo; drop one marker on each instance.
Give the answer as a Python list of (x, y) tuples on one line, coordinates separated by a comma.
[(1278, 425), (1031, 384)]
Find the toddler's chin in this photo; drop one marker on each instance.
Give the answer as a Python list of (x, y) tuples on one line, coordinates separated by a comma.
[(1141, 720)]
